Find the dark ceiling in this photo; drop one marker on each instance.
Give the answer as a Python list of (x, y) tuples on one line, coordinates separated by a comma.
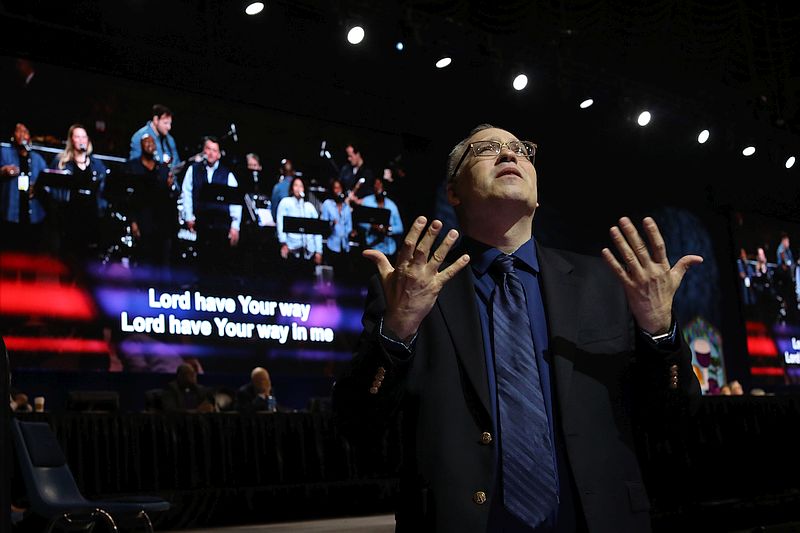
[(731, 65), (736, 59)]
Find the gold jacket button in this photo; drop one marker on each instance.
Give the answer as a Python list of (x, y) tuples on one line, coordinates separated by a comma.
[(486, 438), (479, 497)]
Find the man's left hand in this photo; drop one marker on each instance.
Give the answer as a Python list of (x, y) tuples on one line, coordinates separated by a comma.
[(649, 282), (233, 236)]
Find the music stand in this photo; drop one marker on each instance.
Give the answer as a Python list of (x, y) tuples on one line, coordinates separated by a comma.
[(121, 186), (308, 226), (371, 215), (61, 179), (221, 194)]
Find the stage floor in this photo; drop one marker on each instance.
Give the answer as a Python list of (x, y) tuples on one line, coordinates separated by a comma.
[(361, 524)]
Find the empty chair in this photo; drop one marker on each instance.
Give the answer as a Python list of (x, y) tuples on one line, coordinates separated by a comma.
[(52, 490), (152, 400)]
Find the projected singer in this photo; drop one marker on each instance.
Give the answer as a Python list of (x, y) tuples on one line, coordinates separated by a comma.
[(217, 225), (298, 246)]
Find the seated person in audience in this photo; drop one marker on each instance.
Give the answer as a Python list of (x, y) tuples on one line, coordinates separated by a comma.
[(725, 390), (256, 395), (380, 237), (298, 246), (736, 388), (19, 402), (185, 394)]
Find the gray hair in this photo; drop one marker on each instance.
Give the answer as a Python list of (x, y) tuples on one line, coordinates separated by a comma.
[(458, 150)]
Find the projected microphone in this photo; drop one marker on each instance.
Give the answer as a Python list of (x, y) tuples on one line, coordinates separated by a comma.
[(27, 146), (322, 148), (234, 135), (82, 147)]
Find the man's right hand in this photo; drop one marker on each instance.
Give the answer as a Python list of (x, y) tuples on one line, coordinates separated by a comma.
[(190, 225), (412, 286)]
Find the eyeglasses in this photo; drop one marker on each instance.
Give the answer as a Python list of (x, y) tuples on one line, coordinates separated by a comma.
[(525, 149)]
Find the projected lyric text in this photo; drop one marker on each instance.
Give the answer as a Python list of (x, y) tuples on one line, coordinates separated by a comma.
[(242, 317)]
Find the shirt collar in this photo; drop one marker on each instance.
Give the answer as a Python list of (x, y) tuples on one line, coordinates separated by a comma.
[(214, 166), (484, 255)]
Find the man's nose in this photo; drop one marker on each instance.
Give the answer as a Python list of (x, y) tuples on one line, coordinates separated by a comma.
[(506, 154)]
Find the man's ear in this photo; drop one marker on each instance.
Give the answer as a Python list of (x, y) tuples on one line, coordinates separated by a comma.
[(452, 197)]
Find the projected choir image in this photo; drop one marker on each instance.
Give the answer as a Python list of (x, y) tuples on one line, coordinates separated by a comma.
[(215, 247), (769, 289)]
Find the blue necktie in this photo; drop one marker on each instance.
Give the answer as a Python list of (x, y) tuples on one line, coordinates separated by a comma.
[(529, 476)]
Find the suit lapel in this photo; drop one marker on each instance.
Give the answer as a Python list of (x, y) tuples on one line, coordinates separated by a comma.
[(561, 297), (457, 304)]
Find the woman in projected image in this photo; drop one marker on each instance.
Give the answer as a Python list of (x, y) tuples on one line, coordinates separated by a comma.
[(767, 306), (79, 207)]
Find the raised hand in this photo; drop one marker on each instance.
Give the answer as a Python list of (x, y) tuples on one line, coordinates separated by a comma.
[(413, 284), (650, 283)]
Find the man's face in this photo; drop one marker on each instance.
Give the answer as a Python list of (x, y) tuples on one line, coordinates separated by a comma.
[(163, 124), (148, 145), (262, 383), (378, 186), (21, 134), (253, 164), (79, 137), (211, 151), (187, 377), (337, 188), (297, 188), (353, 157), (490, 182)]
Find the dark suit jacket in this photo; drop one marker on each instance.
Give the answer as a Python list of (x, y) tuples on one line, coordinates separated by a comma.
[(174, 398), (597, 359), (247, 400)]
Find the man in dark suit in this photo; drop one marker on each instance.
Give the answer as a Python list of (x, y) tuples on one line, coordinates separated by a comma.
[(256, 395), (184, 394), (512, 425)]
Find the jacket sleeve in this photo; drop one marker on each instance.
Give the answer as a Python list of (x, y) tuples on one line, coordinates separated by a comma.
[(664, 377), (367, 396)]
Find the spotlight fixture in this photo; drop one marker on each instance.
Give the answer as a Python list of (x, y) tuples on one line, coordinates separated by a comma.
[(520, 82), (443, 62), (790, 162), (586, 103), (254, 8), (748, 151), (644, 118), (703, 136), (399, 46), (355, 35)]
